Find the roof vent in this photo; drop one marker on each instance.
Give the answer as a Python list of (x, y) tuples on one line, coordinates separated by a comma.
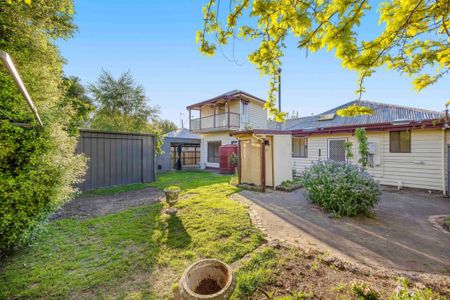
[(326, 117), (401, 122)]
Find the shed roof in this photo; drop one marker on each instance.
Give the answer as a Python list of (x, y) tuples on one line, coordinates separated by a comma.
[(182, 133), (383, 113)]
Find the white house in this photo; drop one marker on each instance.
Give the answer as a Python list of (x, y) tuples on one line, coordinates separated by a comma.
[(408, 146)]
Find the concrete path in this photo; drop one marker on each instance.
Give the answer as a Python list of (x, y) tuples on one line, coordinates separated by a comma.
[(400, 236)]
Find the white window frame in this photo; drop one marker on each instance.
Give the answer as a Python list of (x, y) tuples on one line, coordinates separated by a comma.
[(333, 139), (245, 112)]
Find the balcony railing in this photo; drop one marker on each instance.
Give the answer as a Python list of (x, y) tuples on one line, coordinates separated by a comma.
[(223, 121)]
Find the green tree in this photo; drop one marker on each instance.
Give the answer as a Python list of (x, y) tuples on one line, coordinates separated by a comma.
[(77, 102), (38, 167), (414, 38), (166, 126), (122, 105)]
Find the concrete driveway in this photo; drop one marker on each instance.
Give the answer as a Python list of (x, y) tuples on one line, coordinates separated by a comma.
[(399, 236)]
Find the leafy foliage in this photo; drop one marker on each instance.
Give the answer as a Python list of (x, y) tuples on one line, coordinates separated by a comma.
[(121, 104), (343, 189), (348, 151), (414, 38), (38, 167), (354, 110), (363, 291), (76, 102), (361, 137), (403, 292), (166, 126)]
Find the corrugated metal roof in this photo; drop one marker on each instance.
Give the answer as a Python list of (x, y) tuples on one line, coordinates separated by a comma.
[(182, 133), (383, 113)]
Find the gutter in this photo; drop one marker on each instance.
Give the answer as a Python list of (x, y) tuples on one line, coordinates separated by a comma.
[(371, 127)]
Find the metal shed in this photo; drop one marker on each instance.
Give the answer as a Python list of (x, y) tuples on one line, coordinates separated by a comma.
[(116, 158), (190, 150)]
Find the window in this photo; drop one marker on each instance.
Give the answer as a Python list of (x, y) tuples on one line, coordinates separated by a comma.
[(300, 147), (400, 141), (213, 152), (336, 149), (245, 114)]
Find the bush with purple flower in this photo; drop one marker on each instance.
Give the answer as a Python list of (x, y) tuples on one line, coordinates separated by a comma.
[(341, 188)]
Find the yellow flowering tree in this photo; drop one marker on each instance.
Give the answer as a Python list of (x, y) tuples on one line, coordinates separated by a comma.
[(414, 37)]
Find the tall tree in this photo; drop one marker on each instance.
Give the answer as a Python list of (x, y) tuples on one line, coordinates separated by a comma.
[(166, 126), (414, 37), (38, 167), (122, 104), (76, 102)]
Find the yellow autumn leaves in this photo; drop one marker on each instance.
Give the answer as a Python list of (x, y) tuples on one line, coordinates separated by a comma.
[(414, 38)]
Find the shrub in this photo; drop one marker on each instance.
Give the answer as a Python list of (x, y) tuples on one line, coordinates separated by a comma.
[(363, 291), (343, 189), (37, 171), (403, 292)]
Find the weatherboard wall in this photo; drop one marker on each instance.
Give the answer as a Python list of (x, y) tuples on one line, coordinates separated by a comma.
[(422, 168)]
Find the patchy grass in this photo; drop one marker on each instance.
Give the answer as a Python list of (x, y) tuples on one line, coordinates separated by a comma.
[(255, 273), (197, 178), (137, 253)]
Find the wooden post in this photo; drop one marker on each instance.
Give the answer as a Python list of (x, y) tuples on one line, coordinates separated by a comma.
[(228, 113), (239, 162), (214, 114), (200, 120), (263, 166), (190, 119)]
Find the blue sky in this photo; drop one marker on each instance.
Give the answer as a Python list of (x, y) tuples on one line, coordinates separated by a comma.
[(156, 41)]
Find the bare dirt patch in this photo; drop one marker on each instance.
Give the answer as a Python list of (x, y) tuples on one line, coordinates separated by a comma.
[(316, 276), (91, 206)]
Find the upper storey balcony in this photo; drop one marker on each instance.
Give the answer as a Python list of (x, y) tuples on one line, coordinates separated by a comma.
[(216, 122), (226, 112)]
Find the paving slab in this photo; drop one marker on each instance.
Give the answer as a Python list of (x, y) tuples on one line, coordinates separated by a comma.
[(400, 235)]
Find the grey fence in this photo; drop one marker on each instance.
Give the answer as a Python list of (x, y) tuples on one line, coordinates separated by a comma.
[(116, 158)]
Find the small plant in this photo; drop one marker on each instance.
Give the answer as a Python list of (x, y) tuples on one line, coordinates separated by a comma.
[(172, 188), (289, 185), (348, 151), (234, 160), (297, 296), (361, 136), (363, 291), (403, 292), (343, 189)]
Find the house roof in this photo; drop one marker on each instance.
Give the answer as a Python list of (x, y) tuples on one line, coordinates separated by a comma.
[(182, 133), (383, 113), (230, 94)]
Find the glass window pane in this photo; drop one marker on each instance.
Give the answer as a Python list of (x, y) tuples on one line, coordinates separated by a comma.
[(394, 141), (405, 141)]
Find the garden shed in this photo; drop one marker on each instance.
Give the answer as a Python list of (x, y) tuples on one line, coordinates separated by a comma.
[(116, 158), (179, 145), (264, 157)]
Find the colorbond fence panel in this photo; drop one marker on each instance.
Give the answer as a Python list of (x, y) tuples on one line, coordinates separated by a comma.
[(116, 158)]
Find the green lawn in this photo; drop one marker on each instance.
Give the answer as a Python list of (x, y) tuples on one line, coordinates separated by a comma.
[(137, 253)]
